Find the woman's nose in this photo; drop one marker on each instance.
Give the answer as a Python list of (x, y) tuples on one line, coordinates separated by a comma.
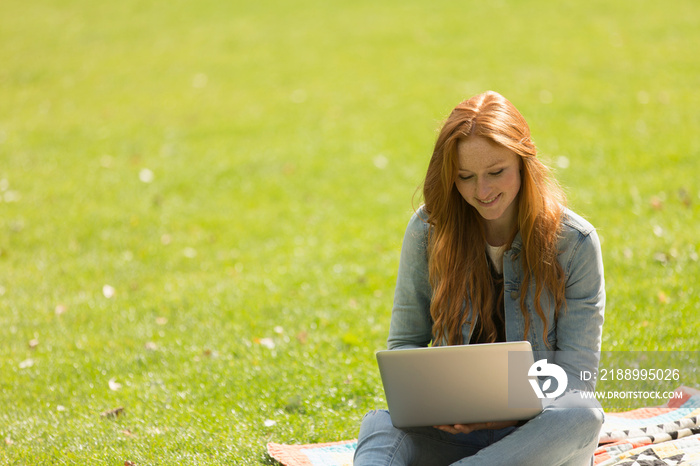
[(483, 189)]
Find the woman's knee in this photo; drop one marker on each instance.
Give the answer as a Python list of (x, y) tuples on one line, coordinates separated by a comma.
[(375, 420), (591, 419), (378, 440), (581, 423), (377, 425)]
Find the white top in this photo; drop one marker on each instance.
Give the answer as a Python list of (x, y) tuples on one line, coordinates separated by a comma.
[(495, 253)]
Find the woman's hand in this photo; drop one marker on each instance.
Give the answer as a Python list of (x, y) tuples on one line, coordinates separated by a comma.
[(467, 428)]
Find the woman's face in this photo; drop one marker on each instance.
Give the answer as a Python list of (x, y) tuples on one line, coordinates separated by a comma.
[(489, 180)]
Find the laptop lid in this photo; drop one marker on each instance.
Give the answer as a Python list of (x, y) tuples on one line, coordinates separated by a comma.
[(448, 385)]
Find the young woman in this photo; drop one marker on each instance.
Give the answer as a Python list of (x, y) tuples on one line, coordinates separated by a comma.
[(494, 255)]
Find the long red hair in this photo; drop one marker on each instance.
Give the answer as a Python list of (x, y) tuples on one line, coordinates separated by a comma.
[(458, 266)]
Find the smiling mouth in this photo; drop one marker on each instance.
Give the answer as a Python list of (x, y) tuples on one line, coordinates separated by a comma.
[(488, 201)]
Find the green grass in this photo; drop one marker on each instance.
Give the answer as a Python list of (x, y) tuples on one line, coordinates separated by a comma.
[(254, 273)]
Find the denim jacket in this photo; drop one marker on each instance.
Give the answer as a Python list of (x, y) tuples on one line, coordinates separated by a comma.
[(573, 340)]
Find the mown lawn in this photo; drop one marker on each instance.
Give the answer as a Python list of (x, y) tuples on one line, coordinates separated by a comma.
[(202, 203)]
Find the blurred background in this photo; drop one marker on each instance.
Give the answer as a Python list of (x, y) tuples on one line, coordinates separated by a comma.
[(202, 203)]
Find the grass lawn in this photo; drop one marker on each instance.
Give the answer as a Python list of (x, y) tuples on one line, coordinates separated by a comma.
[(202, 203)]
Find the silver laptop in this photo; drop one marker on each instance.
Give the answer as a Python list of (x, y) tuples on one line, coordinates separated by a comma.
[(448, 385)]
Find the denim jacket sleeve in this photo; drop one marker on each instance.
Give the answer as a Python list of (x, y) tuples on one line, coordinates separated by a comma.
[(580, 325), (411, 325)]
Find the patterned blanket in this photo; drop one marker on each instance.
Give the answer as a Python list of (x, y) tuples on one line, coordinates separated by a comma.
[(660, 436), (667, 435)]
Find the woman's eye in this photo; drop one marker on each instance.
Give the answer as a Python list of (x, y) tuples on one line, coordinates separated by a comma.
[(496, 173), (465, 177)]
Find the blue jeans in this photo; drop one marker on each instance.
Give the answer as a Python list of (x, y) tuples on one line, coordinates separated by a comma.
[(557, 436)]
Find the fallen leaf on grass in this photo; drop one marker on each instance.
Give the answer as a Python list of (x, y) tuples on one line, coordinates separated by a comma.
[(8, 441), (108, 291), (146, 175), (116, 412), (114, 385), (26, 363), (685, 197), (266, 342), (151, 346), (207, 353), (60, 309), (129, 463), (661, 258), (33, 343)]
